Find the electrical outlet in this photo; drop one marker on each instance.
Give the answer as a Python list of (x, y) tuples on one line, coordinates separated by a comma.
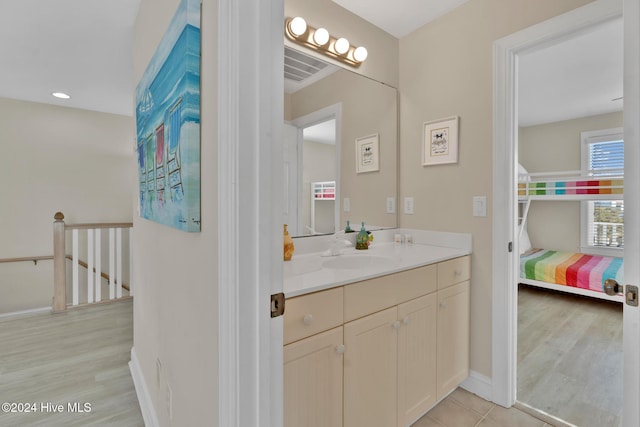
[(408, 205), (391, 205), (346, 204)]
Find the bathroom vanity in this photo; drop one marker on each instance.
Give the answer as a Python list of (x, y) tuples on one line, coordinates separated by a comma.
[(376, 337)]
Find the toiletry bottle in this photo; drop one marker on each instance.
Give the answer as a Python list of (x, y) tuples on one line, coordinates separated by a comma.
[(348, 228), (288, 245), (362, 239)]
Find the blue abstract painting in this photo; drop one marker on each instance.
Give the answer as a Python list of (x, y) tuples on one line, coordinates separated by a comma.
[(168, 125)]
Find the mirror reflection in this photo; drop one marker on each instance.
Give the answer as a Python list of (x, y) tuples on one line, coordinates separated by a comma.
[(333, 174)]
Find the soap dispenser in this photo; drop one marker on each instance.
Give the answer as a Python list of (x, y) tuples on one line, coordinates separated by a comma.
[(288, 245), (348, 228), (362, 239)]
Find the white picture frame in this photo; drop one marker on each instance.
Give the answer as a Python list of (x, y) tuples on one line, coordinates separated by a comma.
[(367, 154), (440, 141)]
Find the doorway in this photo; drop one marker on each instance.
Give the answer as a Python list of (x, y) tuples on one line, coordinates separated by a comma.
[(505, 272), (569, 334)]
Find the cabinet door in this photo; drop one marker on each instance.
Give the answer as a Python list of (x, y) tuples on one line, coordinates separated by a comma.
[(313, 381), (370, 370), (416, 358), (453, 337)]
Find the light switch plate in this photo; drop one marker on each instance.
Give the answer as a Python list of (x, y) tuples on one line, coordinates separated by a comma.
[(346, 204), (408, 205), (479, 206), (391, 205)]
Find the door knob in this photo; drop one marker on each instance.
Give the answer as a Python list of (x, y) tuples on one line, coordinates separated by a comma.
[(611, 287)]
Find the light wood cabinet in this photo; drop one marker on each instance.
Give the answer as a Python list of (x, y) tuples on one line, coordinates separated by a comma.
[(453, 337), (313, 380), (406, 345), (416, 358), (370, 376)]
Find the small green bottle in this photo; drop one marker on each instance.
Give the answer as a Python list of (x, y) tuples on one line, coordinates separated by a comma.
[(362, 239), (348, 229)]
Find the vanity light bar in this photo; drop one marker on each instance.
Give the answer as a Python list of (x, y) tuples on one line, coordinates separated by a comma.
[(319, 39)]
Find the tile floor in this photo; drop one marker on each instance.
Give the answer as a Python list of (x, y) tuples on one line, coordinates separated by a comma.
[(464, 409)]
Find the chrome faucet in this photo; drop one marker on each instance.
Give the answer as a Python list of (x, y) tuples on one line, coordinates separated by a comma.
[(337, 244)]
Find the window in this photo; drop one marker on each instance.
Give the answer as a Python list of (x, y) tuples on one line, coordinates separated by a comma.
[(602, 225)]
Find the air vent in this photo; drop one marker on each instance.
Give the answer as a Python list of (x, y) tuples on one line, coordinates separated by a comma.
[(298, 66)]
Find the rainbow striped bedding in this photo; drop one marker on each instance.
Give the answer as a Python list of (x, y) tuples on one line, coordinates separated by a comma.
[(570, 269)]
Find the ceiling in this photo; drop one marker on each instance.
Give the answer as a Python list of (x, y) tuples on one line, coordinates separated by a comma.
[(80, 47), (84, 48)]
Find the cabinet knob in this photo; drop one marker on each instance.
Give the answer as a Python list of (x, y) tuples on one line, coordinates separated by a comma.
[(443, 304), (405, 320), (308, 319), (457, 272), (396, 324), (340, 349)]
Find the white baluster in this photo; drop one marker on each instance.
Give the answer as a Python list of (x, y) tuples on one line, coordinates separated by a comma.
[(74, 242), (131, 261), (98, 280), (90, 265), (119, 262), (112, 259)]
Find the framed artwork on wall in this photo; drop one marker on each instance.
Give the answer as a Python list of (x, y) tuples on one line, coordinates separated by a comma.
[(367, 154), (440, 142), (168, 125)]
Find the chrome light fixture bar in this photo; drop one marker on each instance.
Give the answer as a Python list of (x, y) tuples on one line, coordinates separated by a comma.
[(319, 39)]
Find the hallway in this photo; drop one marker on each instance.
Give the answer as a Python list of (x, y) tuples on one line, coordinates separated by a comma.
[(69, 369)]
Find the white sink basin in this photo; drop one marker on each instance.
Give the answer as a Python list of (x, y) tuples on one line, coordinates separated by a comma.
[(354, 262), (297, 267)]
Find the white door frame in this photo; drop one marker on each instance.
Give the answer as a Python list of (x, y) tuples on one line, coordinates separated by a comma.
[(250, 54), (505, 265)]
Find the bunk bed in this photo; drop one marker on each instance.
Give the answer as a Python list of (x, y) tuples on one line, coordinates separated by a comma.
[(576, 273)]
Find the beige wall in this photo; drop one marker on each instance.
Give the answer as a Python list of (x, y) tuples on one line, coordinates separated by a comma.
[(175, 316), (56, 159), (446, 69), (368, 107), (556, 147), (382, 62)]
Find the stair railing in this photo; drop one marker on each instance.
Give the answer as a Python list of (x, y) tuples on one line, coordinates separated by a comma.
[(92, 243)]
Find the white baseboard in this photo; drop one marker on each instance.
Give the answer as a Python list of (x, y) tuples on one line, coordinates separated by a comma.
[(478, 384), (22, 313), (144, 398)]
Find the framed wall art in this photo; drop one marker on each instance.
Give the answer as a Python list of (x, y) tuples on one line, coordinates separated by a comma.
[(168, 125), (367, 154), (440, 142)]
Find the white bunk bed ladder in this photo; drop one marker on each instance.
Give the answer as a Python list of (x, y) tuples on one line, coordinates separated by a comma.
[(523, 211)]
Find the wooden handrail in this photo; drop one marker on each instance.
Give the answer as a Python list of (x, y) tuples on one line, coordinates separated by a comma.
[(35, 259), (98, 225), (103, 275)]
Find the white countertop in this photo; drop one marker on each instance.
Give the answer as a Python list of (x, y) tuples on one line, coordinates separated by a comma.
[(305, 273)]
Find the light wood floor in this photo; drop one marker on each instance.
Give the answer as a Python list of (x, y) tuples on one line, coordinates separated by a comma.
[(570, 356), (80, 356)]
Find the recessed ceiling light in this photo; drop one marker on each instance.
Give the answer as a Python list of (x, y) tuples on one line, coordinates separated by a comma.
[(61, 95)]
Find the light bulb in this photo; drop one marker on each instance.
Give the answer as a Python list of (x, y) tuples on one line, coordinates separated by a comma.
[(342, 46), (321, 36), (298, 26), (360, 54)]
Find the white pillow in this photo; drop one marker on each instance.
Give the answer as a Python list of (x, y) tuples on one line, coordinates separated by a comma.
[(525, 243)]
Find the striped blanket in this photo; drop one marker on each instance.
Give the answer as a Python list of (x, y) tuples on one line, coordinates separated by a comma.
[(570, 269)]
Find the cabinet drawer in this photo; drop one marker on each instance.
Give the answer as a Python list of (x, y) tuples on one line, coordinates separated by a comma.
[(454, 271), (373, 295), (310, 314)]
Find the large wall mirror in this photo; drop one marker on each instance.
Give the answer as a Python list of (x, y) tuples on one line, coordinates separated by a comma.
[(334, 169)]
